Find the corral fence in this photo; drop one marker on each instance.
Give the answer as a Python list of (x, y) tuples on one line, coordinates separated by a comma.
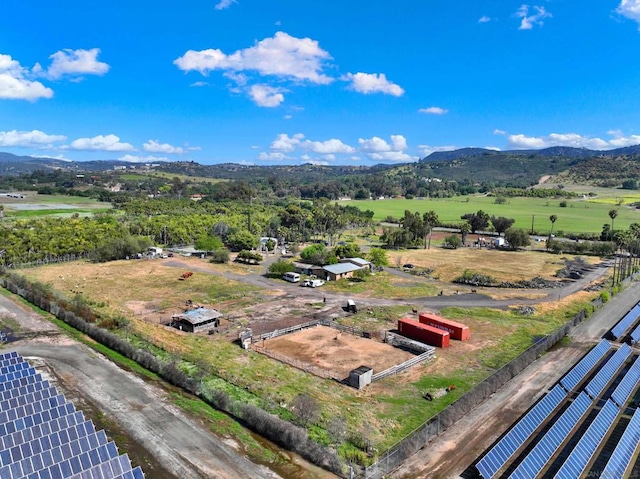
[(393, 457), (348, 329), (296, 364), (281, 332), (398, 368)]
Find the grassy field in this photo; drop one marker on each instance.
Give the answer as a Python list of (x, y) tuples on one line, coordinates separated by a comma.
[(34, 205), (579, 216), (391, 408), (167, 176)]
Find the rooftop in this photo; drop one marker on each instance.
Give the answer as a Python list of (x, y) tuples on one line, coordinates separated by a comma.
[(198, 315)]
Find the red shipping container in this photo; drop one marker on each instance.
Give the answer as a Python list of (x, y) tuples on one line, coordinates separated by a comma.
[(458, 331), (423, 333)]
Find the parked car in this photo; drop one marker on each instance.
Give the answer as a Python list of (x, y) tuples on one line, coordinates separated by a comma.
[(313, 283), (407, 266)]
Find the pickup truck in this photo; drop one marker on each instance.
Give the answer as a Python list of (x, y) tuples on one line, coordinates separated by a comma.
[(313, 283)]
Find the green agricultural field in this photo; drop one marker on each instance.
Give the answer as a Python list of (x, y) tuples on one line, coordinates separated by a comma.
[(579, 216), (35, 205)]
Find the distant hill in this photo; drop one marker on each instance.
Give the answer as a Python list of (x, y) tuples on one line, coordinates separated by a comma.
[(14, 165)]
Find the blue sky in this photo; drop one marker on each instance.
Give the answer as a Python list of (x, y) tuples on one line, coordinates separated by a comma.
[(290, 82)]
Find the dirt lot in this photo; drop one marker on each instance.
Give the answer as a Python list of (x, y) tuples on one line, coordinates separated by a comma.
[(331, 350)]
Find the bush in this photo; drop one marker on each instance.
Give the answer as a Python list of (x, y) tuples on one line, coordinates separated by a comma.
[(220, 256), (605, 296), (281, 267), (250, 257), (452, 241)]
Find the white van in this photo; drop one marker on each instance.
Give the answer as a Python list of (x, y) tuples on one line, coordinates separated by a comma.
[(291, 277)]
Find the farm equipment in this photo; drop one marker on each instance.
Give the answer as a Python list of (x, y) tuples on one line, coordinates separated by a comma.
[(185, 276)]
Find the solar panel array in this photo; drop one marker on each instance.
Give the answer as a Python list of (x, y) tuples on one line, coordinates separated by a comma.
[(626, 322), (551, 441), (580, 370), (635, 335), (498, 456), (607, 372), (629, 382), (625, 449), (42, 436), (582, 453)]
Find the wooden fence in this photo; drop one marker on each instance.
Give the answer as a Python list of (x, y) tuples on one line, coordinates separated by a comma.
[(398, 368), (283, 331), (296, 364)]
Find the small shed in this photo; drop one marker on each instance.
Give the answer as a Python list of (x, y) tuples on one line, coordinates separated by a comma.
[(360, 377), (196, 320)]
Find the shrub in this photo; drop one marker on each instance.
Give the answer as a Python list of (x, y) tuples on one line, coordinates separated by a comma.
[(220, 256), (452, 241), (605, 296), (281, 267)]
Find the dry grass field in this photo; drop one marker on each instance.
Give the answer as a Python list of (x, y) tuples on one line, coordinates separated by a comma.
[(142, 287), (448, 264), (337, 352)]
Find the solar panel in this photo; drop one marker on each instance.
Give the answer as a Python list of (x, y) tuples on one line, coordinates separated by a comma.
[(582, 453), (629, 382), (498, 456), (551, 441), (42, 436), (600, 381), (625, 449), (580, 370), (626, 322)]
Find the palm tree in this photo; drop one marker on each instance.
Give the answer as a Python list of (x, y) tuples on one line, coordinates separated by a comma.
[(612, 215), (553, 219), (430, 219)]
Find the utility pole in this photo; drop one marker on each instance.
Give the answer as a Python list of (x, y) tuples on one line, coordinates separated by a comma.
[(533, 217)]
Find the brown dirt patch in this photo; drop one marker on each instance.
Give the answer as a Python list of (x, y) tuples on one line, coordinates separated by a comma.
[(331, 350)]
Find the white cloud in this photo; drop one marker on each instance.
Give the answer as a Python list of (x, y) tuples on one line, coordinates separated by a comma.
[(287, 117), (630, 9), (368, 83), (392, 156), (16, 82), (154, 146), (484, 19), (378, 145), (76, 62), (282, 56), (426, 150), (284, 142), (433, 110), (100, 143), (499, 132), (28, 139), (199, 84), (529, 21), (380, 150), (224, 4), (328, 147), (272, 156), (267, 96), (575, 140), (142, 159)]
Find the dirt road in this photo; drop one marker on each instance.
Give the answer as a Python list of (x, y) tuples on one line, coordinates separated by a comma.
[(458, 447), (180, 446)]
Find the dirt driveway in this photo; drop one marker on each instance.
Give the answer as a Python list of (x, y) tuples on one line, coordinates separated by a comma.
[(458, 447)]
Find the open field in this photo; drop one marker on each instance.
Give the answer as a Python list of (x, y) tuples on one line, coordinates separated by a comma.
[(390, 408), (579, 216), (35, 205), (168, 177), (331, 350)]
